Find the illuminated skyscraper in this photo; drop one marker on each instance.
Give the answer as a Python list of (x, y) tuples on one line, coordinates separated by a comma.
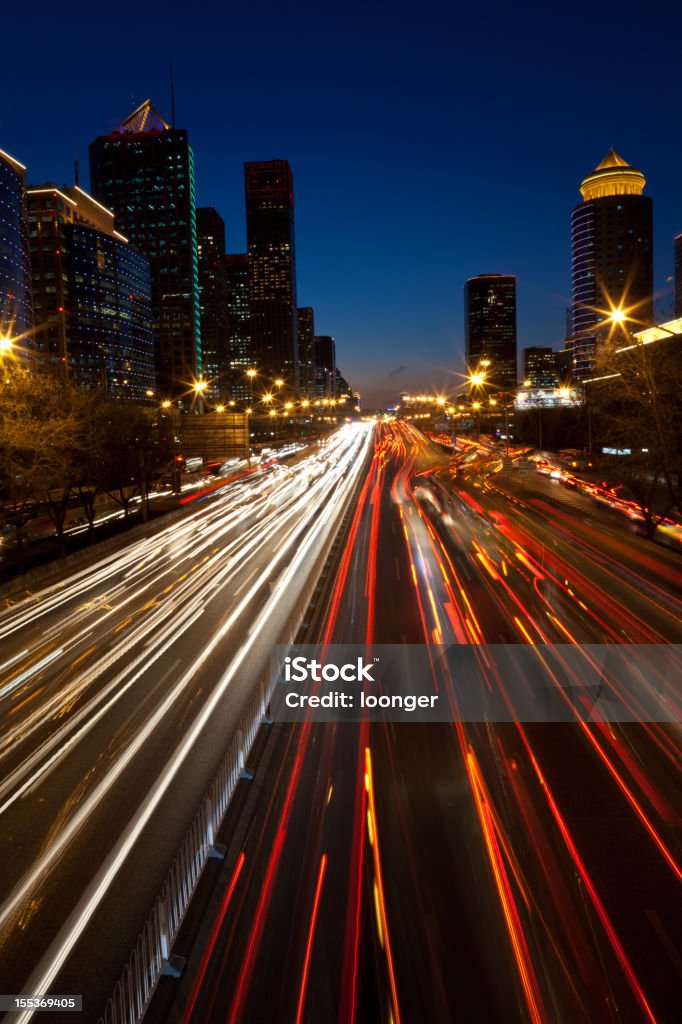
[(92, 294), (239, 313), (272, 268), (213, 299), (325, 366), (490, 327), (612, 256), (16, 307), (306, 349), (144, 171), (540, 367)]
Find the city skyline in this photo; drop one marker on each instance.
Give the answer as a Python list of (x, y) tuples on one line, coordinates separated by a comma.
[(389, 166)]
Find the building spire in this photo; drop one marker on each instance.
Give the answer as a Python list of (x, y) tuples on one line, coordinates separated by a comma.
[(172, 96)]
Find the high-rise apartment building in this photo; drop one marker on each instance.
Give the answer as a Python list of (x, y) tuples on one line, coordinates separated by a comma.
[(91, 293), (239, 313), (272, 269), (144, 171), (540, 368), (612, 257), (16, 306), (213, 300), (306, 349), (490, 328)]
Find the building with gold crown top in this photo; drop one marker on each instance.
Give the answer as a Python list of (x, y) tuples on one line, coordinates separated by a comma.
[(612, 256)]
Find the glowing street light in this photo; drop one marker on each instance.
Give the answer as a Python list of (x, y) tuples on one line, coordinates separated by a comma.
[(220, 408), (166, 404)]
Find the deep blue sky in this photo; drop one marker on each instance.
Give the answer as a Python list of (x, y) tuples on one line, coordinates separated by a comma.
[(427, 143)]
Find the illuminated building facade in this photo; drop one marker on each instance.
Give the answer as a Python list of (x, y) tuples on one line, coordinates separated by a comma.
[(325, 366), (612, 255), (92, 294), (678, 276), (213, 299), (16, 306), (306, 350), (540, 367), (239, 315), (272, 269), (490, 328), (144, 171)]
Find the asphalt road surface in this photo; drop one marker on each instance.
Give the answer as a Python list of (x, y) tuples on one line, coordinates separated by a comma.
[(474, 872)]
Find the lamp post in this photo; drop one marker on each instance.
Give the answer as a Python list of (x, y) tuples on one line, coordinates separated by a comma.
[(248, 411)]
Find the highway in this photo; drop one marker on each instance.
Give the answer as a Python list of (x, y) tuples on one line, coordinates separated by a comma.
[(475, 872), (120, 688)]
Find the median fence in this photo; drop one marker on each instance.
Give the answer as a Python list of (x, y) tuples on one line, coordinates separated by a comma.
[(152, 956)]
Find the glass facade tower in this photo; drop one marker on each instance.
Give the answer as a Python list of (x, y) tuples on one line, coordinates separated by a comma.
[(92, 295), (16, 306), (612, 257), (144, 172), (272, 268), (490, 327)]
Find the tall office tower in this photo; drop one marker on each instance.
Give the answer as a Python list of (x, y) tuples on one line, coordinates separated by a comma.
[(239, 314), (16, 306), (540, 367), (144, 171), (678, 276), (325, 366), (612, 257), (490, 327), (92, 294), (306, 350), (272, 269), (213, 300)]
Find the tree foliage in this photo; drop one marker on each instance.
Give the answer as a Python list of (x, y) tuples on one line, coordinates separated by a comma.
[(641, 416)]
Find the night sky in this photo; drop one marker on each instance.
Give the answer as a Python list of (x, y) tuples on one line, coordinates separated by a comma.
[(427, 144)]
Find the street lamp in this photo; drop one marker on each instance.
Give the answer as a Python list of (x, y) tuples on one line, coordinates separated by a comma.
[(199, 388)]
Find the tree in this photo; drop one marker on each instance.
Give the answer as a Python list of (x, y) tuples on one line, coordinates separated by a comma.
[(39, 431), (641, 417)]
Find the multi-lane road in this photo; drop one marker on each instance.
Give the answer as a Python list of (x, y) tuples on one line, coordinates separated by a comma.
[(414, 873), (477, 872), (120, 688)]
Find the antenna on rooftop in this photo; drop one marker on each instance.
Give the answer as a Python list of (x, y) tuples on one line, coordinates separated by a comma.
[(172, 92)]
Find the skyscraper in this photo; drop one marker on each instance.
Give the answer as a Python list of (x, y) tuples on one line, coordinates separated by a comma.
[(239, 314), (490, 327), (306, 349), (272, 268), (213, 299), (612, 256), (678, 276), (16, 307), (92, 294), (325, 366), (540, 367), (144, 171)]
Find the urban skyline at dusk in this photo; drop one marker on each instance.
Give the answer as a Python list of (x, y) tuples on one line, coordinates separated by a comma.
[(417, 165), (341, 514)]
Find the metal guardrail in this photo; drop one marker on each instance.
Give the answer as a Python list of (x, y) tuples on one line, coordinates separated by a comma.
[(151, 956)]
